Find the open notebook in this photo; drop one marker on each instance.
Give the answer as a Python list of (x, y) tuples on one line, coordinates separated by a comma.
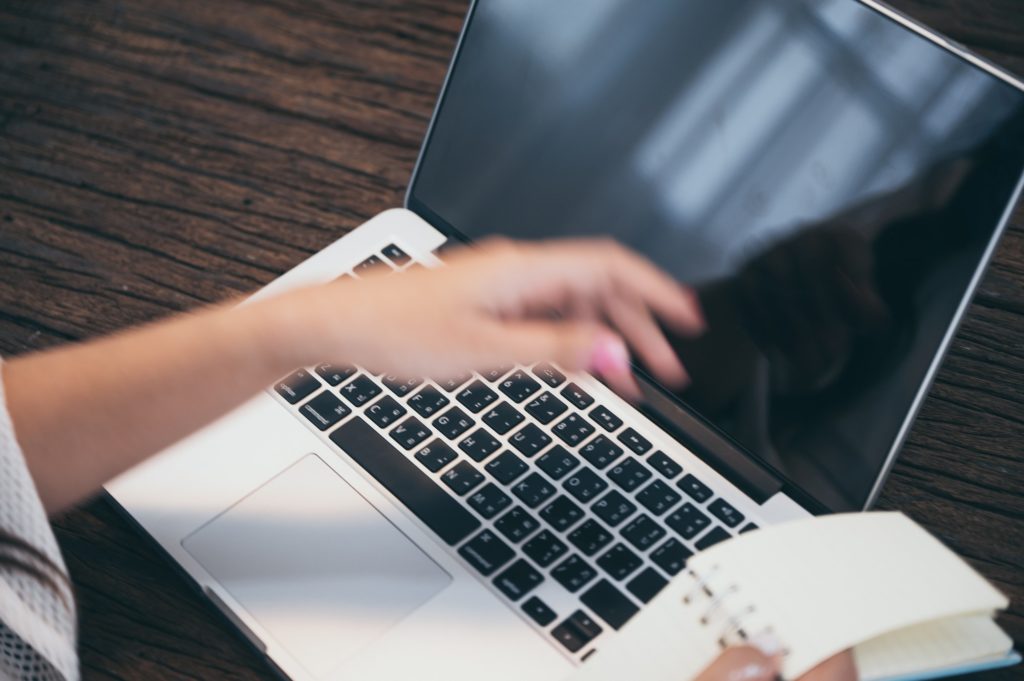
[(877, 582)]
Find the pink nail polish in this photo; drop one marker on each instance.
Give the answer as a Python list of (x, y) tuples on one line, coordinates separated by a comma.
[(609, 356)]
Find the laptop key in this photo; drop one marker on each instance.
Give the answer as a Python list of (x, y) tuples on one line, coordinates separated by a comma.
[(297, 386), (539, 611), (671, 556), (479, 445), (629, 474), (571, 635), (657, 497), (600, 452), (410, 433), (506, 467), (619, 561), (530, 440), (367, 264), (453, 382), (494, 374), (516, 525), (360, 390), (661, 462), (462, 477), (395, 254), (545, 548), (589, 537), (489, 500), (577, 396), (518, 386), (557, 462), (438, 510), (687, 521), (324, 410), (486, 552), (517, 580), (436, 455), (749, 527), (545, 408), (613, 508), (696, 489), (453, 423), (476, 396), (647, 584), (428, 401), (385, 411), (605, 418), (533, 490), (635, 441), (333, 374), (723, 510), (715, 535), (503, 418), (549, 374), (562, 513), (400, 386), (573, 573), (609, 603), (573, 429), (584, 485), (642, 532)]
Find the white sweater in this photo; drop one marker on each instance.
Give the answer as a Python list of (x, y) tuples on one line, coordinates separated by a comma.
[(37, 625)]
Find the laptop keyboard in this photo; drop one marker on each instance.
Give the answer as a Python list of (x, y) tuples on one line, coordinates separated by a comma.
[(530, 480)]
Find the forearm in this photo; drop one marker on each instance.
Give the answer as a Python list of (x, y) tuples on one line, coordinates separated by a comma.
[(85, 413)]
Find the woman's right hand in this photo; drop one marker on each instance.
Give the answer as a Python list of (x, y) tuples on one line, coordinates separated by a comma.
[(493, 304)]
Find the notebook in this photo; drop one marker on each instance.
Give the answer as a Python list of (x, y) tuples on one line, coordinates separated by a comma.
[(875, 582)]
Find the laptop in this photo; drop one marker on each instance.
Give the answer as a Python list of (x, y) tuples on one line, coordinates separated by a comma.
[(829, 176)]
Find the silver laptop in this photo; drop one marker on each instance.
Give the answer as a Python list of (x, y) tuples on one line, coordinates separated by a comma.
[(830, 178)]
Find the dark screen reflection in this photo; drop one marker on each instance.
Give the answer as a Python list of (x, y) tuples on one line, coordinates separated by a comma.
[(828, 180)]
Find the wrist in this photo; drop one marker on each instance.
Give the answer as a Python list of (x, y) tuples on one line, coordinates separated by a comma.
[(288, 331)]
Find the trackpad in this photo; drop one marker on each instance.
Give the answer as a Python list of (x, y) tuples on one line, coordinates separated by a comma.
[(316, 565)]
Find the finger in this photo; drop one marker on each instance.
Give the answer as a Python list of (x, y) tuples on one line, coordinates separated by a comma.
[(568, 343), (637, 326), (742, 663), (595, 269), (676, 305), (840, 667), (610, 361), (576, 346)]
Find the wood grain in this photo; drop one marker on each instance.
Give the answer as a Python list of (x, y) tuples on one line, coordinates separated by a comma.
[(159, 154)]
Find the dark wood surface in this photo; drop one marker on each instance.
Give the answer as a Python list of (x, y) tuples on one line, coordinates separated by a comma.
[(159, 154)]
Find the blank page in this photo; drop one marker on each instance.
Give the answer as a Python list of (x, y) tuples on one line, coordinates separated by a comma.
[(935, 645)]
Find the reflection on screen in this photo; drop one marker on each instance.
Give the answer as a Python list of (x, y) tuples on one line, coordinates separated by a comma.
[(826, 179)]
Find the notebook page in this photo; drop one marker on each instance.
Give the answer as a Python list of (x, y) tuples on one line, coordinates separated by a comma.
[(934, 645), (828, 583), (666, 643)]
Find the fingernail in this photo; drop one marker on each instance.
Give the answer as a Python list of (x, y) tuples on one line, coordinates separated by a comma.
[(752, 672), (766, 643), (609, 356)]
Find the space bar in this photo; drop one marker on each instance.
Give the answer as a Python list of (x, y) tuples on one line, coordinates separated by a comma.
[(421, 495)]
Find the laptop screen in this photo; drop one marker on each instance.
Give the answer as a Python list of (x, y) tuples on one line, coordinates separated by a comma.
[(828, 180)]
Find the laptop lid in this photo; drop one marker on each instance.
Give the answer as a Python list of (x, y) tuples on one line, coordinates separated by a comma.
[(830, 179)]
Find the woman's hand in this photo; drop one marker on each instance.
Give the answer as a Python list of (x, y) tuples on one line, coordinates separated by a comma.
[(746, 663), (125, 397), (578, 303)]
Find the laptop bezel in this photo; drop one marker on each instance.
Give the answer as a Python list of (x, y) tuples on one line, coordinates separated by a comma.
[(710, 442)]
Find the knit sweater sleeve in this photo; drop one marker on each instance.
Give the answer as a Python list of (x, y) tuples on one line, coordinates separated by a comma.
[(37, 617)]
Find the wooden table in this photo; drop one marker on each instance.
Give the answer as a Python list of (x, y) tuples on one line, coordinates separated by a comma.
[(156, 155)]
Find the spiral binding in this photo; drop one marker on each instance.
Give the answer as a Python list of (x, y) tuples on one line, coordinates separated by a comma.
[(735, 618)]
